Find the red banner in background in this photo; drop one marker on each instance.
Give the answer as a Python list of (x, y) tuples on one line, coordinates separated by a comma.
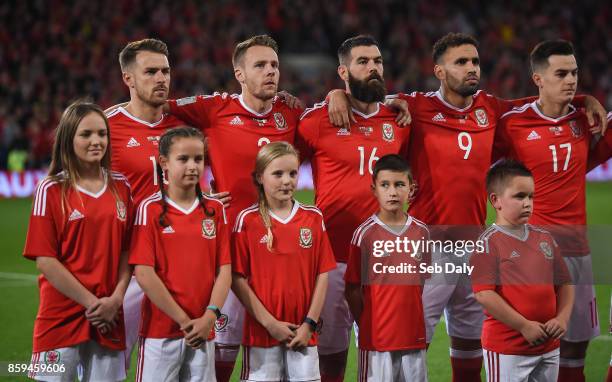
[(23, 184)]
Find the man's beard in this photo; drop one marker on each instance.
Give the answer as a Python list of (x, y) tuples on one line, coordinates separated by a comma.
[(463, 89), (150, 99), (368, 91)]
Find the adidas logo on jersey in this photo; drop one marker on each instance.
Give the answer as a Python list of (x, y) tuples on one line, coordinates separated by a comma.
[(168, 229), (533, 135), (343, 131), (75, 215), (439, 118), (132, 143), (514, 254), (236, 121), (264, 239)]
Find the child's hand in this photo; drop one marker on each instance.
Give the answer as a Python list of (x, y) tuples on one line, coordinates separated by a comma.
[(534, 333), (282, 331), (555, 328), (301, 338), (197, 330), (103, 312)]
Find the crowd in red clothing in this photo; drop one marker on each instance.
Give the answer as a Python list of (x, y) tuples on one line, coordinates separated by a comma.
[(52, 52)]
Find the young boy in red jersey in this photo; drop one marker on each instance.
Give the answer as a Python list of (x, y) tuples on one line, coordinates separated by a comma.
[(387, 307), (522, 282)]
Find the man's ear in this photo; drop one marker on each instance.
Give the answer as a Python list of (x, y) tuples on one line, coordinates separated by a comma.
[(439, 72), (128, 79), (239, 74), (343, 72), (537, 79)]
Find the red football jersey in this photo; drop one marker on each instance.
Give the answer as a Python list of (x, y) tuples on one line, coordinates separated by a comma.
[(556, 151), (342, 163), (235, 133), (525, 271), (186, 255), (87, 236), (450, 153), (392, 317), (283, 279), (134, 149), (603, 149)]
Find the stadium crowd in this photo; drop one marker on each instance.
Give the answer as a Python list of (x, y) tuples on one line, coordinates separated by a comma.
[(54, 51)]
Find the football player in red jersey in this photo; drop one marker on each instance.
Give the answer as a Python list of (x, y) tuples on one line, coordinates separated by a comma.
[(522, 282), (342, 162), (450, 150), (135, 129), (552, 138), (236, 127), (78, 236)]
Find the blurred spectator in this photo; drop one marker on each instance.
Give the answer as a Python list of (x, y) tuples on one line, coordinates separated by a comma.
[(54, 51)]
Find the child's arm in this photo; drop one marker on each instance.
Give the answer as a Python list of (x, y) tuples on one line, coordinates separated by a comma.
[(106, 311), (497, 307), (198, 329), (65, 282), (354, 298), (281, 331), (157, 292), (557, 326), (305, 330)]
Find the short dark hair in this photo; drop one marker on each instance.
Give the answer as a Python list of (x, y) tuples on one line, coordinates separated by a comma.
[(502, 172), (128, 54), (344, 51), (451, 40), (260, 40), (391, 162), (539, 55)]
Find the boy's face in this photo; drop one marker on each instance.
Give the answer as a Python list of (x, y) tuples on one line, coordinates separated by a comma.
[(392, 190), (514, 204)]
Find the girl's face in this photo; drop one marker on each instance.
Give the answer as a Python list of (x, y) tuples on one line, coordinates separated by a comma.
[(90, 139), (280, 178), (185, 162)]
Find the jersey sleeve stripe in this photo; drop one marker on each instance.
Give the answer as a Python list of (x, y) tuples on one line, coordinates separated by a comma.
[(356, 233), (242, 215), (363, 232), (141, 214), (311, 208), (517, 110), (217, 201), (313, 108), (112, 113), (40, 203)]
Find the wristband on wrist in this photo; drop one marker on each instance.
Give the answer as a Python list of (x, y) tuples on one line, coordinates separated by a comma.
[(215, 310), (312, 323)]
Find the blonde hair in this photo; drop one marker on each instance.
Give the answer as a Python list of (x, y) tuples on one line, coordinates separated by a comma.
[(64, 166), (264, 157)]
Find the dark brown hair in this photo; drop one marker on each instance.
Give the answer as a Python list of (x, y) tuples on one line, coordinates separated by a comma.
[(128, 54)]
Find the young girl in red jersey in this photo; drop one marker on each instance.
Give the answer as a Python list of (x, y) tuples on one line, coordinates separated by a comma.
[(180, 249), (281, 257), (77, 236)]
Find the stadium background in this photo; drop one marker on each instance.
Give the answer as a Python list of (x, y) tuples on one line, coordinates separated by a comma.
[(54, 51)]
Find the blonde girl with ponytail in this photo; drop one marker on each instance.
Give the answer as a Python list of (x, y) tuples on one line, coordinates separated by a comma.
[(281, 256)]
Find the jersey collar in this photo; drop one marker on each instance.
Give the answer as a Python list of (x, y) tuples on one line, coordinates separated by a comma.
[(130, 116), (523, 237), (534, 106), (388, 229), (244, 105), (185, 211), (366, 116), (97, 194), (296, 206), (438, 94)]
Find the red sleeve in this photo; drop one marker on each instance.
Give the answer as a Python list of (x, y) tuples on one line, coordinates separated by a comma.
[(42, 237), (240, 252), (501, 142), (505, 105), (602, 150), (486, 269), (325, 252), (307, 135), (561, 273), (224, 255), (353, 265), (142, 247), (194, 110)]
